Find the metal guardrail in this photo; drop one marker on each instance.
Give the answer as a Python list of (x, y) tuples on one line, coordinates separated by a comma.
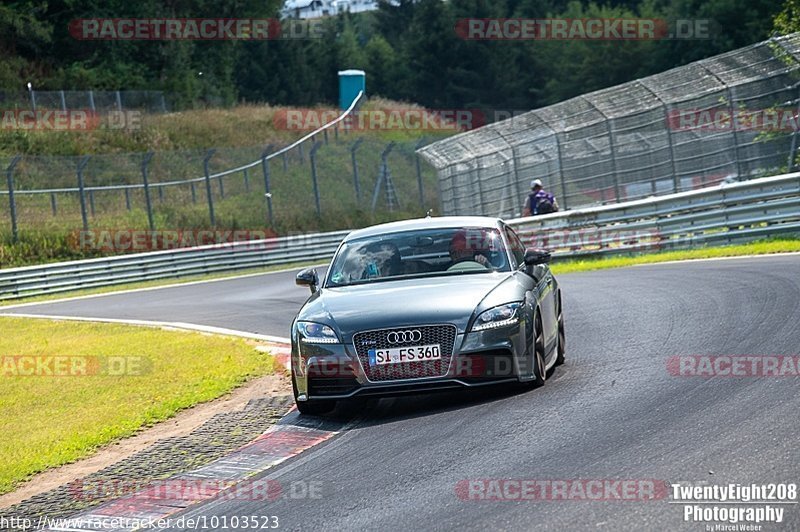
[(722, 214)]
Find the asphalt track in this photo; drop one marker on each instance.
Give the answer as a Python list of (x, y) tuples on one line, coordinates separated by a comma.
[(613, 411)]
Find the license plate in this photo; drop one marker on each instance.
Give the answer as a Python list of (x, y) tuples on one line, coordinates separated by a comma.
[(399, 355)]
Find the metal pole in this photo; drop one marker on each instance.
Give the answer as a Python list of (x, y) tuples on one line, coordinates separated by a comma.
[(611, 152), (53, 205), (128, 199), (81, 165), (11, 201), (419, 173), (246, 180), (161, 194), (354, 160), (194, 193), (63, 101), (561, 171), (119, 102), (313, 157), (381, 175), (145, 163), (33, 100), (267, 191), (209, 155), (91, 100)]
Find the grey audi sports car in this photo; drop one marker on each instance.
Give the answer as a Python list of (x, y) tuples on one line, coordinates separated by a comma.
[(425, 305)]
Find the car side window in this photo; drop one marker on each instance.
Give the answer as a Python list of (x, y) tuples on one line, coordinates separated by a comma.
[(517, 247)]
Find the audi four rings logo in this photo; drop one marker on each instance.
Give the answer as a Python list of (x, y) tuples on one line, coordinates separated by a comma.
[(403, 337)]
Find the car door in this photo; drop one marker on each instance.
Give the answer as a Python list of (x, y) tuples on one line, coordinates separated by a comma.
[(545, 289)]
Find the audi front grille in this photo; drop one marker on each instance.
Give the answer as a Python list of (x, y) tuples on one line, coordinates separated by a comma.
[(444, 335)]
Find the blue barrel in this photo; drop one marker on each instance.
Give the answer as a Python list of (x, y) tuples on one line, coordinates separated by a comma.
[(351, 82)]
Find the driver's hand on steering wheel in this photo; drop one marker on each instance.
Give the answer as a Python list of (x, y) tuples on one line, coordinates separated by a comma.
[(481, 259)]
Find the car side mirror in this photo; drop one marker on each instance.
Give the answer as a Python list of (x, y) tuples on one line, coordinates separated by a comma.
[(534, 257), (309, 278)]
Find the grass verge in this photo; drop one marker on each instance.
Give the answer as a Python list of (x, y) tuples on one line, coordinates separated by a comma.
[(113, 381), (762, 247)]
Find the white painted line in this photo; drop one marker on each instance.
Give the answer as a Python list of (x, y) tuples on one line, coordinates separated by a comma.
[(160, 287), (733, 257), (158, 324)]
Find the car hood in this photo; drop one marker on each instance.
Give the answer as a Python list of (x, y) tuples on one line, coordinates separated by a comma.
[(401, 303)]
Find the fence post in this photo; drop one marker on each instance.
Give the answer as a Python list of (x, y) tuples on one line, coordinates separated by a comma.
[(325, 136), (246, 180), (209, 155), (81, 165), (11, 201), (194, 193), (419, 173), (353, 158), (267, 191), (221, 187), (146, 183), (612, 153), (161, 194), (33, 100), (127, 198), (53, 205), (63, 101), (561, 171), (313, 157), (382, 175), (119, 102), (285, 162), (300, 152), (91, 100)]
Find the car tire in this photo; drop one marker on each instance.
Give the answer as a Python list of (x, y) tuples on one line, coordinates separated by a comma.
[(562, 337), (312, 407)]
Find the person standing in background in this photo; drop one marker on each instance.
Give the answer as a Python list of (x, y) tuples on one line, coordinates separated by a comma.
[(539, 201)]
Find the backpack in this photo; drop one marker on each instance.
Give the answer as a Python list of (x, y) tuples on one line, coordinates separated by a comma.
[(542, 203)]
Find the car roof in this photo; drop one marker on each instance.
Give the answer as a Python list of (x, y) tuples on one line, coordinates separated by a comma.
[(442, 222)]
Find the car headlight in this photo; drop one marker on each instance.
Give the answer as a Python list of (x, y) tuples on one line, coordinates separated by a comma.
[(497, 317), (316, 333)]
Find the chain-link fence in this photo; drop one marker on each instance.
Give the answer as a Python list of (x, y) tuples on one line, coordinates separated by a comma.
[(98, 101), (335, 179), (727, 118)]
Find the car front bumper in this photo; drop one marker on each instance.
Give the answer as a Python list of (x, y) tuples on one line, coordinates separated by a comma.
[(334, 371)]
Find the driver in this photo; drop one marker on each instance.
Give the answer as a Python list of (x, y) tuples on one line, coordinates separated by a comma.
[(460, 251)]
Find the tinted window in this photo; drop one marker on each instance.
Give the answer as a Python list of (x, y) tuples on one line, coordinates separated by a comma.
[(517, 247), (421, 253)]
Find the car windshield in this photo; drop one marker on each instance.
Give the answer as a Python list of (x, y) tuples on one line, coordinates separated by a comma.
[(420, 253)]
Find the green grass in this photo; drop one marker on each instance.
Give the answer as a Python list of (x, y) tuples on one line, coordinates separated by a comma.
[(48, 421), (179, 141), (763, 247)]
